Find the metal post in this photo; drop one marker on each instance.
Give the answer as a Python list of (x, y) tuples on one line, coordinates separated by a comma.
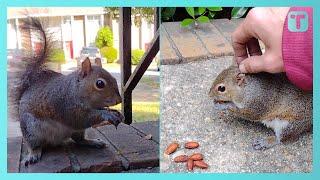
[(125, 59)]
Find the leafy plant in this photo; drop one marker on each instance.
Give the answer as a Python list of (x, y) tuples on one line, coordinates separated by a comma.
[(104, 37), (136, 56), (167, 13), (110, 53), (57, 56), (142, 12), (113, 11), (199, 15), (238, 12)]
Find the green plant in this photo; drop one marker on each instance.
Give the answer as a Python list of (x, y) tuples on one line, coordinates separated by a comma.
[(110, 53), (238, 12), (136, 56), (104, 37), (199, 15), (57, 56), (167, 13)]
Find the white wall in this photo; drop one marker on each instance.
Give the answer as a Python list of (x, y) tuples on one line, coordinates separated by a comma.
[(11, 35), (147, 34), (67, 32)]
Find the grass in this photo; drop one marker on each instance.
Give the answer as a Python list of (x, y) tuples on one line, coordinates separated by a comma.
[(150, 82), (143, 111), (115, 65)]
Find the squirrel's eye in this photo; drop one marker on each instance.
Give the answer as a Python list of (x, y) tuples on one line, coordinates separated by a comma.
[(221, 88), (100, 84)]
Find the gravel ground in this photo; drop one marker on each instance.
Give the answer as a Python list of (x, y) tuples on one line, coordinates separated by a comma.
[(188, 114)]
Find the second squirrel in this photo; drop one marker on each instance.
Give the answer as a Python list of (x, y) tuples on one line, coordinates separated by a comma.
[(266, 98)]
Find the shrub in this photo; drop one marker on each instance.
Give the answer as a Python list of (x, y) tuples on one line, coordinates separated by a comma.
[(57, 56), (104, 37), (110, 53), (136, 56)]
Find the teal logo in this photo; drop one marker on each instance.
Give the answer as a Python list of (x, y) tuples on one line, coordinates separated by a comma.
[(298, 21)]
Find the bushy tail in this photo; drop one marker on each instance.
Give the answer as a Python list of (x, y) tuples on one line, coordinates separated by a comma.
[(35, 27), (34, 59)]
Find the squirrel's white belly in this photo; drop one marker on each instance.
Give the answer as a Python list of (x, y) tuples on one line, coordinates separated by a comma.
[(54, 133)]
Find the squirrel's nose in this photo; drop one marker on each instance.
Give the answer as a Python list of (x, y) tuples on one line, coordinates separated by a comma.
[(119, 100)]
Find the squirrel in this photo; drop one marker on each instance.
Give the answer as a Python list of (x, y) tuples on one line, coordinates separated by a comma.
[(54, 107), (270, 99)]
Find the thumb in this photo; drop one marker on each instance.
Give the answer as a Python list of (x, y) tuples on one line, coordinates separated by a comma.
[(253, 64)]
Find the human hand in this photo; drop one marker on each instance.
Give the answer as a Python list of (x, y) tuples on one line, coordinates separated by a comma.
[(265, 24)]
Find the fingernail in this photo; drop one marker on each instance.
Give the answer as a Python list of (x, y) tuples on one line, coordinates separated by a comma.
[(242, 68)]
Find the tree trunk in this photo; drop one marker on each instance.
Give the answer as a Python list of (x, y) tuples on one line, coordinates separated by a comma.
[(108, 20), (140, 37)]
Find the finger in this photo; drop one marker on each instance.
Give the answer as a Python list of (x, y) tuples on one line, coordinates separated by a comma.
[(240, 37), (254, 47), (253, 64)]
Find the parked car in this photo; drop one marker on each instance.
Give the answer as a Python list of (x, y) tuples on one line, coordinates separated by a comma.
[(91, 52)]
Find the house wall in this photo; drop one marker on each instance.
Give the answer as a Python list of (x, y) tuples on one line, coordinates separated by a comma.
[(71, 32)]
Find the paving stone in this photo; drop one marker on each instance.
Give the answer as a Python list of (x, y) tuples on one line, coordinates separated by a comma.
[(167, 53), (140, 152), (237, 22), (215, 43), (149, 127), (186, 41), (14, 152), (225, 26)]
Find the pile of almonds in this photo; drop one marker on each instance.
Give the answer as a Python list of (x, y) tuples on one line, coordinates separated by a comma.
[(194, 160)]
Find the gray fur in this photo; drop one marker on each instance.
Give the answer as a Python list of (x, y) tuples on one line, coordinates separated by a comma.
[(54, 107), (267, 98)]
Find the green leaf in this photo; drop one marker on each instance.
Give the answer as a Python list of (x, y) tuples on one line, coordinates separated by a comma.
[(186, 22), (201, 10), (238, 12), (212, 14), (214, 8), (203, 19), (167, 13), (190, 11)]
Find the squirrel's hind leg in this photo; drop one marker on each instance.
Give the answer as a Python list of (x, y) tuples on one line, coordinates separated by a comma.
[(34, 155), (79, 138), (30, 130), (278, 127), (265, 143)]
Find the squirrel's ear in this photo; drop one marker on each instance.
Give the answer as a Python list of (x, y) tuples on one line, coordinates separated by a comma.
[(98, 62), (240, 79), (85, 67)]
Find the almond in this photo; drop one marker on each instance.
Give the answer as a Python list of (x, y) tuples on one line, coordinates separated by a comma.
[(191, 145), (201, 164), (171, 148), (181, 158), (190, 164), (196, 157)]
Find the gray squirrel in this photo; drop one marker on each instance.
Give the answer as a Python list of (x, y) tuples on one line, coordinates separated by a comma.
[(265, 98), (55, 107)]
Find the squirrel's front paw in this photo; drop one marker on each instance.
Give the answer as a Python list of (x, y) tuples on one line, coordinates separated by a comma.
[(95, 143), (264, 143), (33, 157), (114, 117)]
